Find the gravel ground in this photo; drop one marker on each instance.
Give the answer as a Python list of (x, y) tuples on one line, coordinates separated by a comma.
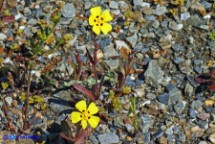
[(174, 43)]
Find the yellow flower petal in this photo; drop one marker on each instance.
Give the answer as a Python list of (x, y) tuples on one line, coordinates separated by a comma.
[(81, 106), (93, 109), (96, 10), (75, 117), (91, 20), (96, 29), (84, 124), (106, 28), (106, 16), (94, 121), (30, 100)]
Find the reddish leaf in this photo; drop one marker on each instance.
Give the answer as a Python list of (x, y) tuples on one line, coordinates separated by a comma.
[(85, 91), (212, 88), (201, 80), (90, 57), (8, 19)]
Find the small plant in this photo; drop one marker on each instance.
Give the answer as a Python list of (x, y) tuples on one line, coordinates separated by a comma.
[(133, 114), (212, 35)]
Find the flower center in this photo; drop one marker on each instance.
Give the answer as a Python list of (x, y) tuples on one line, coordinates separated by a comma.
[(85, 115), (99, 21)]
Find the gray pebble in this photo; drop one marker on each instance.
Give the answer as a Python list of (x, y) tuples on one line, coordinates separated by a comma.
[(68, 10), (154, 74), (27, 11), (2, 36), (132, 39), (160, 11), (174, 26), (196, 104), (164, 98), (9, 100), (174, 95), (180, 106), (108, 138), (113, 5)]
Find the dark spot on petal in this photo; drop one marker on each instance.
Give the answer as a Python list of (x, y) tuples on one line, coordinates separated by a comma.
[(102, 18), (101, 24), (97, 16), (97, 24), (89, 117), (81, 116), (88, 112), (83, 110), (94, 20)]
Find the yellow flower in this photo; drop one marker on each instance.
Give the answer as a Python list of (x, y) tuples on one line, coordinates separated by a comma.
[(85, 114), (126, 90), (98, 20), (4, 85), (22, 96), (30, 100), (38, 99), (67, 37)]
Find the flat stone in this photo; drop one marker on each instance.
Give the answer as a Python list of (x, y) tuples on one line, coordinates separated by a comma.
[(60, 106), (141, 3), (212, 138), (160, 11), (196, 104), (150, 96), (164, 98), (147, 122), (169, 130), (203, 115), (27, 11), (154, 74), (202, 142), (188, 89), (113, 5), (147, 10), (206, 4), (156, 24), (2, 36), (174, 95), (174, 26), (193, 113), (9, 100), (132, 40), (108, 138), (185, 16), (194, 20), (68, 10), (180, 106)]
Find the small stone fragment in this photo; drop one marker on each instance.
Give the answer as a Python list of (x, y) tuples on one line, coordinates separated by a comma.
[(180, 106), (113, 5), (132, 40), (108, 138), (174, 26), (160, 11), (2, 36), (212, 138), (68, 10), (203, 116), (153, 74)]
